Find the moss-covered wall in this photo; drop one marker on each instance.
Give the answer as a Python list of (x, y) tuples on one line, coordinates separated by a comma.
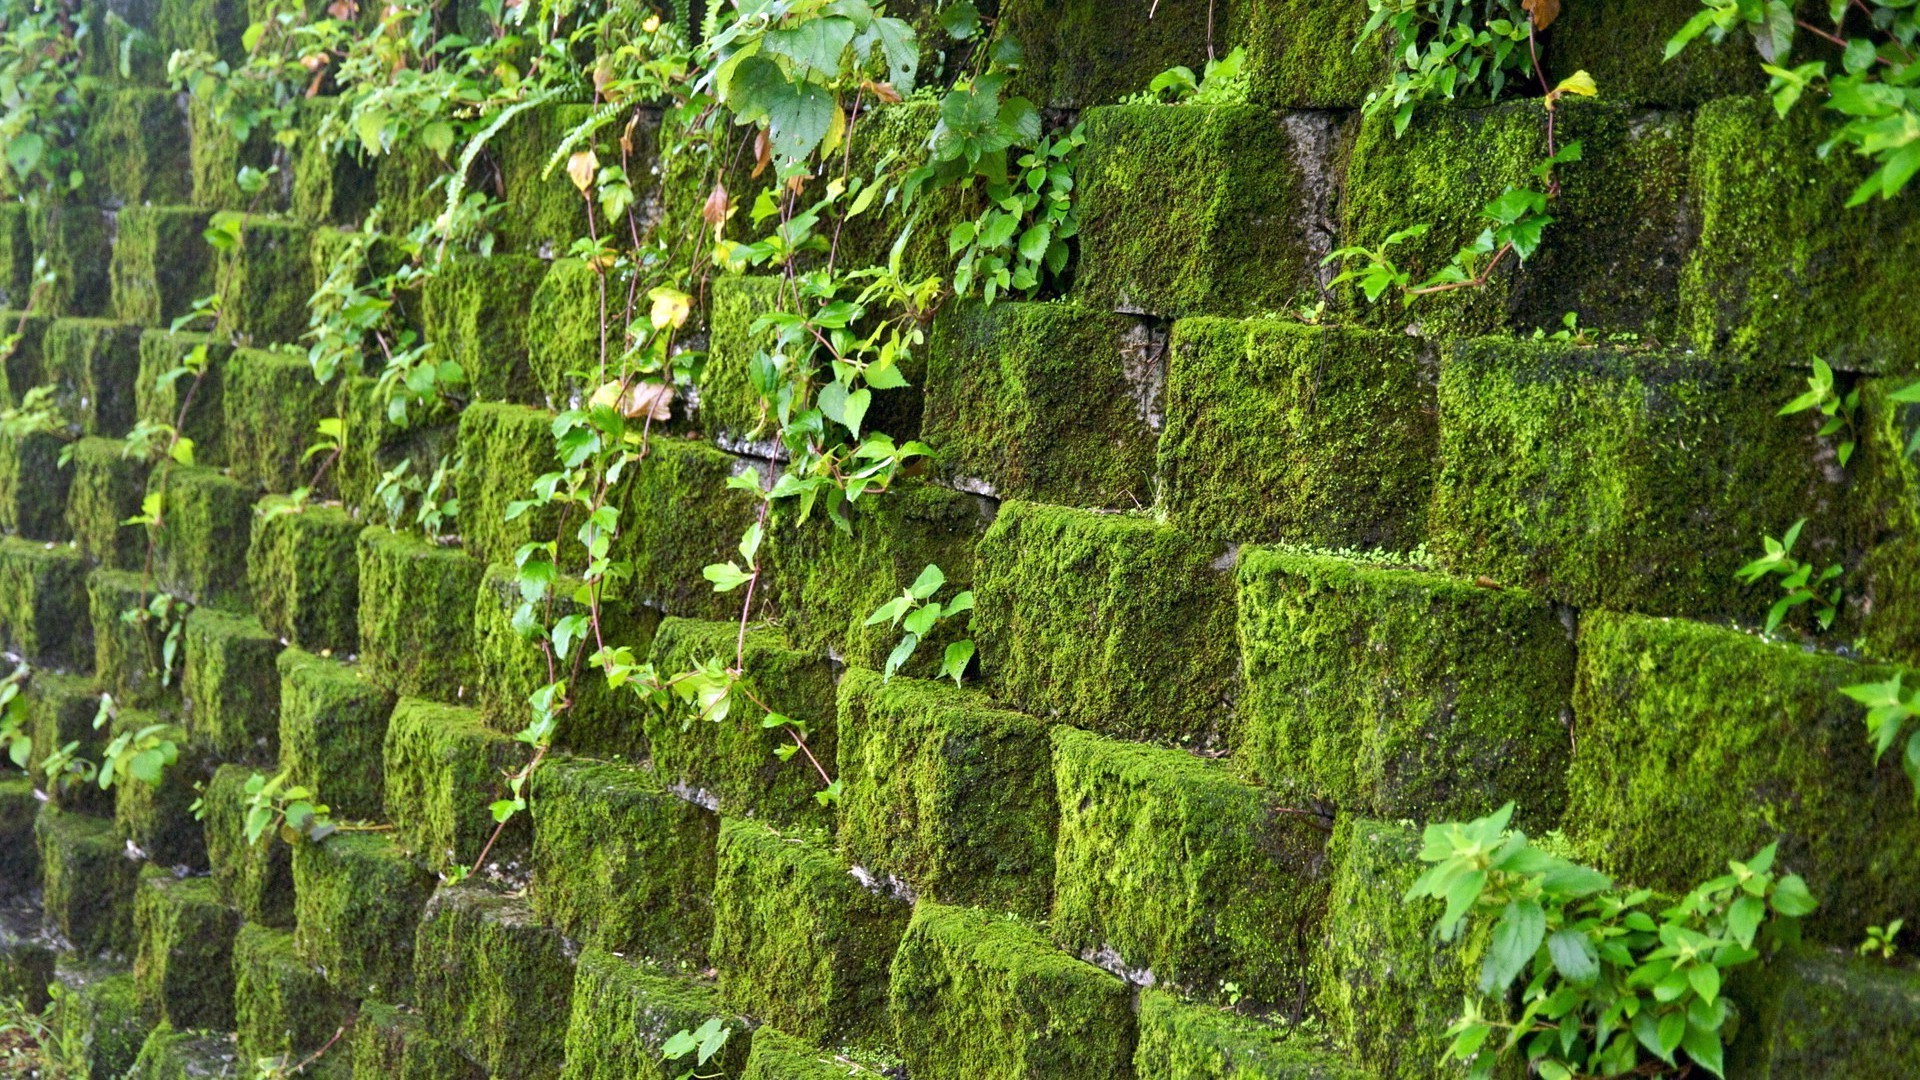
[(1266, 577)]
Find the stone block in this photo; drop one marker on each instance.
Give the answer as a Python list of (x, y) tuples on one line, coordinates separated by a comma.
[(303, 571), (357, 899), (232, 687), (108, 485), (494, 982), (161, 263), (444, 768), (416, 615), (184, 967), (623, 1012), (333, 726)]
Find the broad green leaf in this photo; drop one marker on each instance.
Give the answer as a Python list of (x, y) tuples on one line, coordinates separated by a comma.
[(1574, 957), (927, 583)]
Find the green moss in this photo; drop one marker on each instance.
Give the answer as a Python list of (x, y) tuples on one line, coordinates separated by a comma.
[(128, 642), (43, 604), (563, 328), (61, 709), (213, 26), (86, 882), (231, 686), (331, 187), (975, 994), (1044, 401), (407, 184), (16, 257), (732, 761), (677, 516), (1387, 989), (1741, 743), (731, 410), (1783, 269), (161, 263), (443, 769), (333, 725), (600, 720), (218, 156), (1078, 54), (256, 878), (375, 445), (1634, 481), (620, 861), (358, 898), (134, 148), (1179, 1041), (946, 793), (158, 818), (273, 407), (1887, 497), (1113, 622), (826, 582), (77, 243), (95, 364), (506, 448), (181, 1055), (25, 366), (494, 982), (1820, 1014), (1170, 864), (206, 519), (26, 955), (797, 941), (34, 486), (184, 967), (779, 1056), (282, 1007), (623, 1012), (100, 1018), (476, 310), (106, 491), (416, 615), (546, 213), (303, 571), (262, 300), (1351, 412), (1177, 209), (120, 47), (19, 859), (1464, 690), (1305, 54), (158, 400), (389, 1044)]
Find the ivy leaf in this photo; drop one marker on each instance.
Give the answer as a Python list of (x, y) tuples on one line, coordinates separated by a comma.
[(814, 45), (927, 583), (24, 151), (897, 46), (580, 168), (961, 21), (900, 654), (1705, 979), (1704, 1048), (1773, 34), (1743, 919), (1542, 12), (726, 577)]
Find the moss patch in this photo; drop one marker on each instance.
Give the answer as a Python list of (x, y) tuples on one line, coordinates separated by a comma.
[(1461, 692), (1316, 435), (158, 400), (376, 444), (1818, 1014), (547, 213), (358, 898), (505, 447), (333, 725), (34, 486), (43, 604), (391, 1044), (19, 858), (620, 861), (185, 963), (798, 942), (61, 710), (1111, 621), (416, 615), (206, 519), (283, 1008), (158, 818), (257, 303), (77, 243), (946, 793), (273, 406), (975, 994), (303, 570), (779, 1056), (495, 982), (94, 364), (333, 188), (443, 769), (161, 263), (1305, 54), (677, 516), (231, 686), (623, 1012), (256, 878), (1179, 1041), (182, 1055), (563, 328), (476, 310), (86, 882), (731, 410), (1078, 54), (107, 488), (101, 1016)]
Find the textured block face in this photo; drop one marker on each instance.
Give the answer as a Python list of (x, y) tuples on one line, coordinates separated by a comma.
[(282, 1007), (161, 263), (1633, 481), (43, 604), (623, 1012), (232, 687), (1170, 864), (1818, 1014), (732, 761), (827, 582), (946, 794), (159, 399), (547, 213), (26, 956), (376, 445), (1387, 988), (1305, 54), (303, 570), (256, 878), (1111, 621), (1078, 54), (797, 940), (77, 242), (1401, 693), (1887, 493), (563, 328), (258, 302), (177, 1055), (443, 769), (16, 258), (19, 858), (416, 615), (106, 491), (1179, 1041), (1784, 269), (389, 1044), (1747, 742), (206, 519), (494, 982), (24, 366), (506, 448), (184, 968), (477, 311), (975, 994), (273, 406), (1204, 209), (1313, 435), (157, 818), (732, 412), (34, 487), (87, 881), (334, 188), (677, 515), (62, 709), (779, 1056), (1046, 401), (358, 899), (94, 364), (333, 725), (218, 155), (129, 642), (101, 1015), (135, 148), (622, 862)]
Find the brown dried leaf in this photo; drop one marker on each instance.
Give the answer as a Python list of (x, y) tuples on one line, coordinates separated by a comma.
[(884, 91), (715, 212), (649, 399), (581, 167), (1486, 582), (1542, 12), (762, 152)]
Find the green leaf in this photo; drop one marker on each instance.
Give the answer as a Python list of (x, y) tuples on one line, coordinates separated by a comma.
[(927, 583), (1705, 979), (900, 654), (1574, 957), (1673, 1027), (1704, 1048), (954, 664), (1791, 898), (1515, 940), (1744, 918), (726, 577)]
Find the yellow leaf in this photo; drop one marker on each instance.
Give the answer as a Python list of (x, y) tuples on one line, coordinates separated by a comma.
[(581, 167), (652, 24), (1542, 12), (670, 308), (836, 130), (1578, 83)]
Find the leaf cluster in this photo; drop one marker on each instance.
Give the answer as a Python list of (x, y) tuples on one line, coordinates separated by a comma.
[(919, 613), (1800, 581)]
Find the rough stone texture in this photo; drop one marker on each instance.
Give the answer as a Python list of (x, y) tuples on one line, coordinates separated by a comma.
[(623, 1012), (444, 767), (494, 982), (101, 1017), (182, 1055), (161, 263), (977, 994), (256, 878), (43, 604), (779, 1056), (257, 305), (282, 1007), (205, 521), (108, 485), (93, 365), (184, 967), (87, 881), (158, 399), (273, 406), (19, 857), (333, 726), (34, 487), (77, 243), (416, 607), (1179, 1041), (231, 686), (1822, 1014), (303, 570), (357, 899), (391, 1044)]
